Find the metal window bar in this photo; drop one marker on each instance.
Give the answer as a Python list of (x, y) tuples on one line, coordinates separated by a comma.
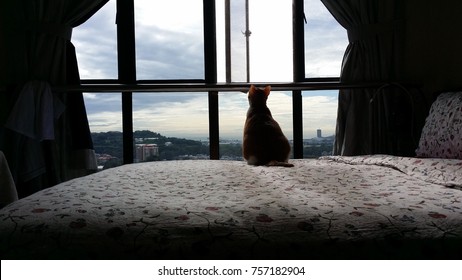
[(110, 86), (298, 37)]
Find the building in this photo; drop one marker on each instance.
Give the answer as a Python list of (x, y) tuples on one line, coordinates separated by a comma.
[(145, 152)]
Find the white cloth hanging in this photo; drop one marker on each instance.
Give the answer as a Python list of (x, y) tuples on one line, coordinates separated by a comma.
[(34, 112)]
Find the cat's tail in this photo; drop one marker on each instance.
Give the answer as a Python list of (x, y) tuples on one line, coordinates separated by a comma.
[(279, 163)]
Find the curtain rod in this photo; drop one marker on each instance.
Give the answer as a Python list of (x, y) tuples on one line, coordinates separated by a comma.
[(101, 87)]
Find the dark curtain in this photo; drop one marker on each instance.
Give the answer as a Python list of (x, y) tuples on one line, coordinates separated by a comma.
[(44, 134), (371, 121)]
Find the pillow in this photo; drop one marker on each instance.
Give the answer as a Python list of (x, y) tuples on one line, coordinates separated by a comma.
[(442, 133)]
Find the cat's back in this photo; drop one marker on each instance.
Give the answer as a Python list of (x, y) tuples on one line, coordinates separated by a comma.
[(263, 139), (261, 124)]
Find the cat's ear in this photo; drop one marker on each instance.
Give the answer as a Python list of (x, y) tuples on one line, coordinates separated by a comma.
[(267, 90), (252, 89)]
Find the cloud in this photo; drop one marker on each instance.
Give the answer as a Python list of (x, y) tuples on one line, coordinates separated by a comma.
[(172, 16), (105, 121), (325, 41), (169, 39), (107, 101), (324, 50), (165, 54), (96, 45)]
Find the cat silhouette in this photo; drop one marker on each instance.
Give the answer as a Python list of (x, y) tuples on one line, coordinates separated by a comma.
[(264, 142)]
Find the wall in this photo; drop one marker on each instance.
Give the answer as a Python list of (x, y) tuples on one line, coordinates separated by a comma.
[(433, 45)]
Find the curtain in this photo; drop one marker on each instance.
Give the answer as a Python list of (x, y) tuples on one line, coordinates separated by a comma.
[(372, 120), (44, 135)]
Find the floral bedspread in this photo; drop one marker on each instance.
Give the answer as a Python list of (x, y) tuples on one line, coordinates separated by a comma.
[(329, 208)]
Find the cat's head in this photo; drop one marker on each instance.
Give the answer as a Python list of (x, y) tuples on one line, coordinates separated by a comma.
[(258, 96)]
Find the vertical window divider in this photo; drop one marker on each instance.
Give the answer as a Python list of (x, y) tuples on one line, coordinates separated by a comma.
[(126, 58), (210, 57), (228, 40), (298, 75)]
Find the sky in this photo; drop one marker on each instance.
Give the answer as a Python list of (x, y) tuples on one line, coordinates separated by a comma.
[(169, 45)]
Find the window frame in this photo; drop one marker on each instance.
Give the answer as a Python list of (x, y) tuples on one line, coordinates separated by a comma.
[(127, 83)]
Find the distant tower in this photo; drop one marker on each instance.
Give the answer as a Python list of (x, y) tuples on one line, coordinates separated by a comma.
[(319, 133)]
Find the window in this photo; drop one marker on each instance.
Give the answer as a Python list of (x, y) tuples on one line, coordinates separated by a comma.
[(95, 42), (169, 45), (325, 44)]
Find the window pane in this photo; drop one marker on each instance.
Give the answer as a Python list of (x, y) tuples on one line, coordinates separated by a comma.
[(166, 120), (319, 121), (169, 39), (325, 42), (95, 44), (280, 104), (232, 109), (270, 41), (238, 45), (105, 120)]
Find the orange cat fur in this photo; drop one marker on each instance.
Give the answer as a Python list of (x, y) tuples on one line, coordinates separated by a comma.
[(264, 142)]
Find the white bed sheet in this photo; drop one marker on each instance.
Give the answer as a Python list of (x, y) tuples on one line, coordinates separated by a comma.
[(335, 207)]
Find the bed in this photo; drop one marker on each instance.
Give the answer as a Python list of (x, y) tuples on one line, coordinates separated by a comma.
[(361, 207)]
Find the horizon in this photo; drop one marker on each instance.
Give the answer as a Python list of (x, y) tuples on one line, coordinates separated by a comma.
[(203, 138)]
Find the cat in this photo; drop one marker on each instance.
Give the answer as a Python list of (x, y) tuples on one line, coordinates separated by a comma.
[(264, 142)]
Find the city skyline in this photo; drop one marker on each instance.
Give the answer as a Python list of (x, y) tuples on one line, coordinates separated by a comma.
[(153, 146)]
